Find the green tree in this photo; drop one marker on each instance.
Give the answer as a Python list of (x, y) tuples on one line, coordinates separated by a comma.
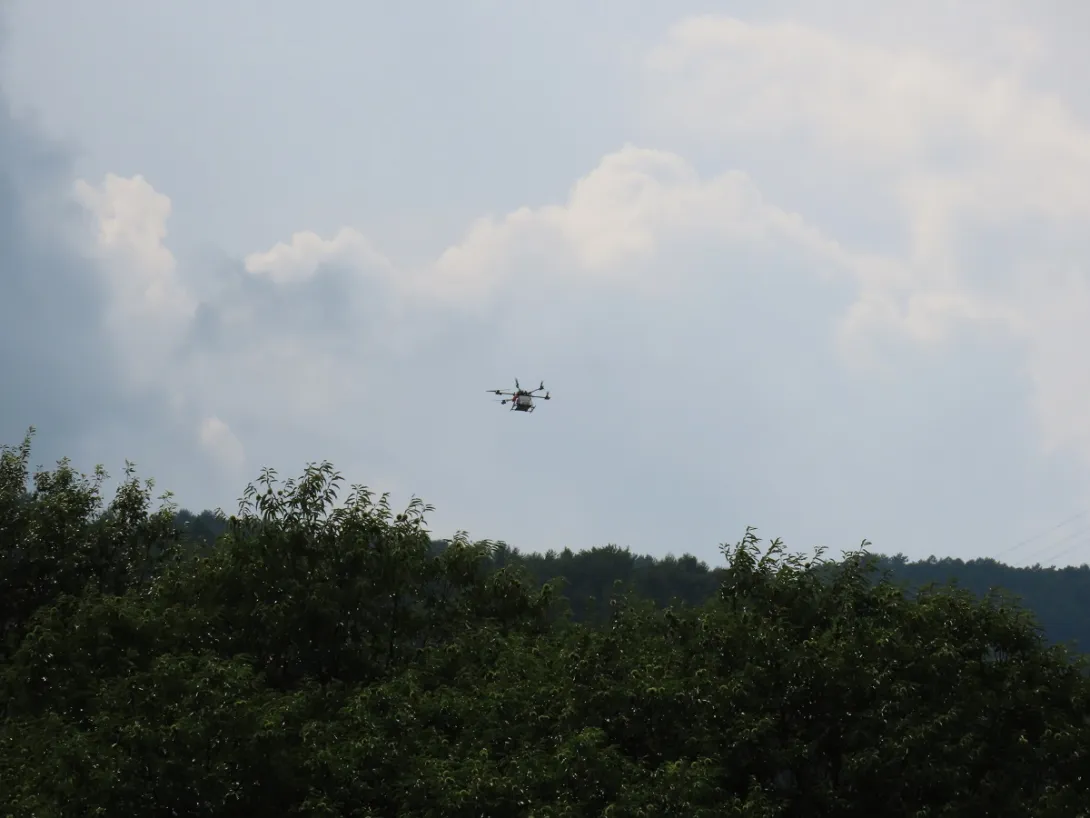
[(59, 536), (327, 659)]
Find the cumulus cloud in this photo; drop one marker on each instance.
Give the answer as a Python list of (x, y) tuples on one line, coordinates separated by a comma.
[(690, 313), (306, 326), (313, 325), (966, 155), (149, 306), (616, 217), (306, 252), (633, 207), (626, 211)]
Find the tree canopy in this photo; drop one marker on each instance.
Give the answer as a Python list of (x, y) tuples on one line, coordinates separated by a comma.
[(325, 658), (1056, 596)]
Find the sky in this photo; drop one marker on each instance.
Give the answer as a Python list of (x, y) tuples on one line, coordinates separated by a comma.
[(814, 267)]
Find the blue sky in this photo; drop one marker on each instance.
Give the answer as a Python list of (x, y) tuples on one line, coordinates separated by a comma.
[(797, 265)]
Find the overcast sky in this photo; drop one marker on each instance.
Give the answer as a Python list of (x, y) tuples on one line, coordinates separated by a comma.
[(817, 267)]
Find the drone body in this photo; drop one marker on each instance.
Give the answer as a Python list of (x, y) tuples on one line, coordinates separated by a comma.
[(521, 400)]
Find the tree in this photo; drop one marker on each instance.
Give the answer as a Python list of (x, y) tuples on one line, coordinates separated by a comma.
[(59, 537), (326, 659)]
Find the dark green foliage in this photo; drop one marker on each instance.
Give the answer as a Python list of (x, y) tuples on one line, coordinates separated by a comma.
[(1056, 596), (59, 537), (327, 658)]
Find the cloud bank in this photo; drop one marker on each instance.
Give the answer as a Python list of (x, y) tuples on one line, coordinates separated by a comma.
[(730, 350), (986, 175)]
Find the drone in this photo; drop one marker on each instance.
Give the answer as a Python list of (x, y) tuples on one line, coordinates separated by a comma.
[(521, 400)]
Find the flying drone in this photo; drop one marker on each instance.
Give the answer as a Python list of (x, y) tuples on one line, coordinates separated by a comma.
[(521, 400)]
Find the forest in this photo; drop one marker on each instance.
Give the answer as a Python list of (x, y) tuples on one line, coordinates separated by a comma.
[(318, 653), (1056, 596)]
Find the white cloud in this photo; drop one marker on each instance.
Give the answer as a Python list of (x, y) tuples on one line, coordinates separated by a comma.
[(951, 135), (619, 224), (131, 221), (966, 154), (150, 307), (284, 335), (301, 257), (882, 104), (220, 442), (620, 228), (616, 219)]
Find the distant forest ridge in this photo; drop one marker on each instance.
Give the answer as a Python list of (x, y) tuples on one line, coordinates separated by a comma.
[(1057, 597)]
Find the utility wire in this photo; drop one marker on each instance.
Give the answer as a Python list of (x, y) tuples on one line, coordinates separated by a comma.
[(1019, 545)]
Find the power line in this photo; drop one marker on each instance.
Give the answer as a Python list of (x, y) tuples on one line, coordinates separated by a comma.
[(1066, 551), (1078, 535), (1041, 534)]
